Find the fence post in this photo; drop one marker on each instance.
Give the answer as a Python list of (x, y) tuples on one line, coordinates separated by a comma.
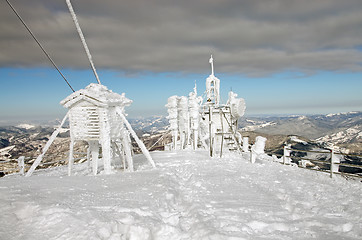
[(252, 155), (21, 164), (332, 161), (284, 154), (245, 144)]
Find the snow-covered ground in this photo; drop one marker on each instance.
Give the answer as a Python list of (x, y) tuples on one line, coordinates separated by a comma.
[(189, 196)]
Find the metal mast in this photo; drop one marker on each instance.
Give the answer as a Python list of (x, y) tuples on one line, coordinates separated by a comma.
[(83, 39)]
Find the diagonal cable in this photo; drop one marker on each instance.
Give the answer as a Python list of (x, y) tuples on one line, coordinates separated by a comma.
[(36, 40)]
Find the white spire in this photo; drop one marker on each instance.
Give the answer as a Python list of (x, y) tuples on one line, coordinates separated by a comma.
[(211, 61), (212, 85)]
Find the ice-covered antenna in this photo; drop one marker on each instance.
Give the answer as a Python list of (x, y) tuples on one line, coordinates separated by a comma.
[(211, 61), (195, 89), (83, 39)]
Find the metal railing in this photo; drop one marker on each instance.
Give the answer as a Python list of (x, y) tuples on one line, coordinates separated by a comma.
[(22, 164), (330, 161)]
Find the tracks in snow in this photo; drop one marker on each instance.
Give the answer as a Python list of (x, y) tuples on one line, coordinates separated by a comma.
[(180, 207)]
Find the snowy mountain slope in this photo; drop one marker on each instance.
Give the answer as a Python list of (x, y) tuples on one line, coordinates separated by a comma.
[(150, 124), (30, 139), (25, 126), (27, 141), (343, 130), (301, 126), (349, 135), (189, 196), (258, 126), (311, 126)]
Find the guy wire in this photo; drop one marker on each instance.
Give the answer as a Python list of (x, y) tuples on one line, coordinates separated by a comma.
[(36, 40)]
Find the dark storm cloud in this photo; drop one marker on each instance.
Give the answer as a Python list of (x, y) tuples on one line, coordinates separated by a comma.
[(251, 37)]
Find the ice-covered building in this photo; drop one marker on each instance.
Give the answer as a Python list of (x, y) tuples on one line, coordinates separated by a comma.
[(221, 119), (93, 118), (96, 115)]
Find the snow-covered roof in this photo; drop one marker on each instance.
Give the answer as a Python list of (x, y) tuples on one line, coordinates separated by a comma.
[(96, 94)]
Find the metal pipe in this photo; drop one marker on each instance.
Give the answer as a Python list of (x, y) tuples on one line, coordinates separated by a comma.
[(71, 10)]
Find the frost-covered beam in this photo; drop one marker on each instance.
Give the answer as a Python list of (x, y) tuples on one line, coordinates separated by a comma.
[(46, 147), (134, 135)]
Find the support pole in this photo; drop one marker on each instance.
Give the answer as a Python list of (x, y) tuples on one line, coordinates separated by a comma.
[(210, 133), (127, 151), (21, 165), (124, 159), (245, 144), (196, 137), (134, 135), (119, 149), (182, 140), (105, 141), (222, 132), (233, 135), (251, 155), (71, 157), (46, 147), (174, 137), (284, 154), (71, 10), (94, 150), (149, 149), (88, 158), (332, 162)]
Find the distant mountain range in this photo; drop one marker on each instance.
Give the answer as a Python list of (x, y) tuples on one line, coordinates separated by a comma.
[(343, 130), (149, 125)]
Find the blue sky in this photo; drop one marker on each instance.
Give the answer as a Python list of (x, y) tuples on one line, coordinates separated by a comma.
[(281, 56), (35, 93)]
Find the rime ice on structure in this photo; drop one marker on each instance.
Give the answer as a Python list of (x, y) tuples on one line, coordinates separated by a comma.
[(172, 118), (221, 119), (194, 113), (93, 118), (258, 147), (211, 125), (183, 120), (213, 86), (96, 115)]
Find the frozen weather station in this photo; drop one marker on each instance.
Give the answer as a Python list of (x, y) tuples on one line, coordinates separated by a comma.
[(97, 115), (206, 124), (189, 174)]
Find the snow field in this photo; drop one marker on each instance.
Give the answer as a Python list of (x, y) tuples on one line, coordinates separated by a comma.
[(189, 196)]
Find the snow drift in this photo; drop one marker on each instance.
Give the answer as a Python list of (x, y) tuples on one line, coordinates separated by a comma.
[(189, 196)]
